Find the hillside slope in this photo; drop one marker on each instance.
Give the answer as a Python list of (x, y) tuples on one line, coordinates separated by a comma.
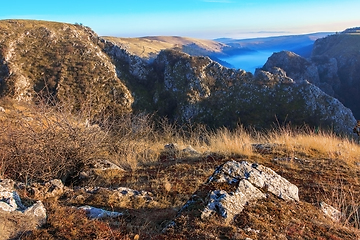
[(150, 47), (60, 60)]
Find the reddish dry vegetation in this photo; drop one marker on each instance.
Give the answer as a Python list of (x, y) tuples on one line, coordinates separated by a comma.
[(325, 170), (270, 218)]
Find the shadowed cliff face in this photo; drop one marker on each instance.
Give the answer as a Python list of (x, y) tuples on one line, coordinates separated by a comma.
[(334, 66), (197, 89), (59, 60)]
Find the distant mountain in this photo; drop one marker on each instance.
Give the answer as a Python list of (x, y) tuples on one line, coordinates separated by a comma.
[(219, 50), (300, 44), (150, 47)]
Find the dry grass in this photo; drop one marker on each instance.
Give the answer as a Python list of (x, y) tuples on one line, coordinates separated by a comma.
[(56, 138), (39, 144), (236, 142), (313, 143), (147, 47)]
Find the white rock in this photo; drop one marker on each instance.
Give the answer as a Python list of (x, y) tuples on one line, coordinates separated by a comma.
[(11, 208), (260, 176), (98, 213), (249, 182), (331, 212), (9, 199), (38, 212), (230, 204), (189, 150), (103, 164)]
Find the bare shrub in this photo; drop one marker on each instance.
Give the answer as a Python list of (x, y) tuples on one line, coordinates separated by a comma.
[(41, 143)]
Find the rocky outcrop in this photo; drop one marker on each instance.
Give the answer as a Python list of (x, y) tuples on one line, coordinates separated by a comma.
[(120, 197), (99, 168), (200, 90), (234, 185), (294, 66), (11, 207), (333, 67), (52, 189), (135, 65)]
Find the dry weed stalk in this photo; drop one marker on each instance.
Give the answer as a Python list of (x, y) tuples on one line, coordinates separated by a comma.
[(342, 198)]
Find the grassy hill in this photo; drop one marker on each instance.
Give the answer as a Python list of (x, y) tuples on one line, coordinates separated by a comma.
[(148, 47), (62, 61)]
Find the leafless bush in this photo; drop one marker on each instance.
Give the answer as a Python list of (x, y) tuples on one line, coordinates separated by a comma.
[(41, 143)]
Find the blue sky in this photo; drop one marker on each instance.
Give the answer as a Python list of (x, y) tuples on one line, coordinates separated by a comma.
[(193, 18)]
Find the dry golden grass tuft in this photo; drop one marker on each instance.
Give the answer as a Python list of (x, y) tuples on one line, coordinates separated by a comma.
[(314, 143), (236, 142)]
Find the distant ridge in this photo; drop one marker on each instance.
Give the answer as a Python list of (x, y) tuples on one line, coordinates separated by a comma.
[(352, 30)]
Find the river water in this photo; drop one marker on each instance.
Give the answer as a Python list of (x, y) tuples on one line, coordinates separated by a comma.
[(248, 61)]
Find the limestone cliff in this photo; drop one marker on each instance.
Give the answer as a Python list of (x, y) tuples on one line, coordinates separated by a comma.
[(187, 88), (334, 66)]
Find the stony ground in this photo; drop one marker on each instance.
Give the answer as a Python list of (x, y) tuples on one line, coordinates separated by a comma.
[(172, 181)]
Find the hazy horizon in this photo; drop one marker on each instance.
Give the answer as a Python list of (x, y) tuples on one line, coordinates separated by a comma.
[(206, 19)]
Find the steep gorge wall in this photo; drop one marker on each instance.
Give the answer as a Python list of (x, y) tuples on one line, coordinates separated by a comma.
[(197, 89), (334, 66)]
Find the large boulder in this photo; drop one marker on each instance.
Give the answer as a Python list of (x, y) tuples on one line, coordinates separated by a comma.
[(259, 176), (234, 185), (11, 208)]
